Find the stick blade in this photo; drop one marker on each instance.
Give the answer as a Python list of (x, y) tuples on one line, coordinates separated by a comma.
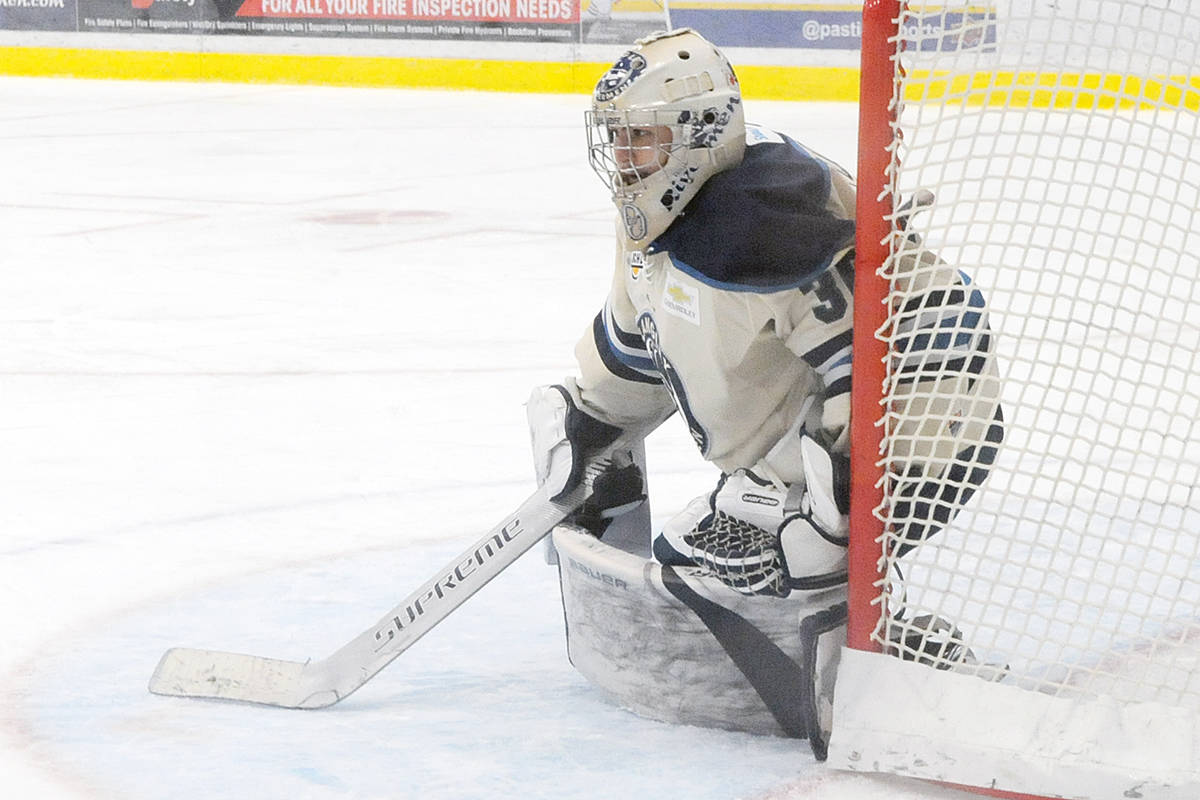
[(185, 672)]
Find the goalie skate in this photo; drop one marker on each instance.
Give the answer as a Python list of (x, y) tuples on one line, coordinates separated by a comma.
[(936, 642)]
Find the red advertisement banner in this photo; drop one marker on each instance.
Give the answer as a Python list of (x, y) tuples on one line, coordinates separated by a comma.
[(527, 11)]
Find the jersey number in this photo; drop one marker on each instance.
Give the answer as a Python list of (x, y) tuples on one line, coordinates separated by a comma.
[(833, 303)]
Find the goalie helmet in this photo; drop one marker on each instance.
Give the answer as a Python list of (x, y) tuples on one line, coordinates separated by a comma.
[(665, 118)]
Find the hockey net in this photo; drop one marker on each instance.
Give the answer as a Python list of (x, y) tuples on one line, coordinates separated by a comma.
[(1061, 146)]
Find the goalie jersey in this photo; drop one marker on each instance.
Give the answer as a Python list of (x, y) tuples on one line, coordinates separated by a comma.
[(737, 314)]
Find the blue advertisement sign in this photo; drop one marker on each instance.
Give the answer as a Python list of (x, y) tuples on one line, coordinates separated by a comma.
[(832, 27)]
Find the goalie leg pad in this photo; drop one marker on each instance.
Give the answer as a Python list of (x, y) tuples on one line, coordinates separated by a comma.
[(927, 505), (823, 635), (797, 689), (678, 645)]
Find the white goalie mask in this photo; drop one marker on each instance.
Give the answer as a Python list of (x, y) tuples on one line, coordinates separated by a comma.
[(665, 118)]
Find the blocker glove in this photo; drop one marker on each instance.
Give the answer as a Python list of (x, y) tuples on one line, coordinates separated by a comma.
[(620, 488), (762, 538), (563, 437)]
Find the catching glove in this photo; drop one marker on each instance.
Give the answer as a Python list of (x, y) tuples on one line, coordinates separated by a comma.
[(761, 538)]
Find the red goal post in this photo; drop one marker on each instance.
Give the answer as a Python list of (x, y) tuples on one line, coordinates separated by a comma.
[(1061, 144), (876, 119)]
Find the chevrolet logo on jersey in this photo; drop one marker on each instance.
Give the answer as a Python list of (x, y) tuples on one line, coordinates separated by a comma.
[(681, 301)]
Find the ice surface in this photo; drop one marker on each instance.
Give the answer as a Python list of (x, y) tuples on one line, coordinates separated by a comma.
[(263, 354)]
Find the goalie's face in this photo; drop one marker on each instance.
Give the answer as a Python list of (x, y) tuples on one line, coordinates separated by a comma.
[(640, 152), (625, 153)]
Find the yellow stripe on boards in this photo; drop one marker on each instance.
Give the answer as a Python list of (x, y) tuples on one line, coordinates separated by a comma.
[(815, 84), (761, 82), (378, 71), (1081, 91)]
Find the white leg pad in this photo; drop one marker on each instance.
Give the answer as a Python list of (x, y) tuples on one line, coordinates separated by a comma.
[(651, 653)]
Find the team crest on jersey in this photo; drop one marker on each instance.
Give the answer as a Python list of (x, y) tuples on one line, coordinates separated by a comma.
[(619, 76), (682, 301), (637, 262), (671, 379)]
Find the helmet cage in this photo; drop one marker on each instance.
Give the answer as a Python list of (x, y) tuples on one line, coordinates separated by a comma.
[(664, 119), (626, 148), (651, 158)]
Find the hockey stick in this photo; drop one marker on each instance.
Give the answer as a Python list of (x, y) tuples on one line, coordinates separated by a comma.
[(185, 672)]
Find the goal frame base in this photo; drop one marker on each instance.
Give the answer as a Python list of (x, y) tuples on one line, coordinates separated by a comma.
[(959, 729)]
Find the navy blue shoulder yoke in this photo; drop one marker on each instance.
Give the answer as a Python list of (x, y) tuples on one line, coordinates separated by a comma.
[(762, 226)]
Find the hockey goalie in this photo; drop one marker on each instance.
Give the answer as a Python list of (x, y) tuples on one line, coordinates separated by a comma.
[(731, 306)]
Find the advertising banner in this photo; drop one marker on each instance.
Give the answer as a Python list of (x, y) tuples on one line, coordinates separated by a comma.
[(37, 15), (828, 27), (815, 26), (508, 20), (495, 20)]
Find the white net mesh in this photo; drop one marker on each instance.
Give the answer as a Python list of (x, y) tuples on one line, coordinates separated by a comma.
[(1062, 146)]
